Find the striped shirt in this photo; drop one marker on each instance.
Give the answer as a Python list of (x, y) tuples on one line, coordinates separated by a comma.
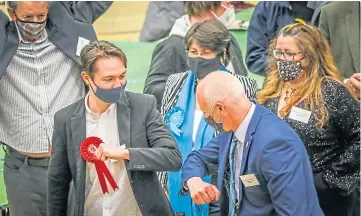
[(39, 81)]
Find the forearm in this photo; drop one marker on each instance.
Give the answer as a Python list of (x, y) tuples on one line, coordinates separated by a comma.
[(154, 159)]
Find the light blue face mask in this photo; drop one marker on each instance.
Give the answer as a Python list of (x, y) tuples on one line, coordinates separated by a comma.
[(112, 95)]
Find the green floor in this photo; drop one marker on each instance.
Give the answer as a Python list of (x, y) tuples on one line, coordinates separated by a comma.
[(139, 55)]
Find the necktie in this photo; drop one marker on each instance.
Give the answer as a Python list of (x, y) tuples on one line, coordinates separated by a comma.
[(232, 163)]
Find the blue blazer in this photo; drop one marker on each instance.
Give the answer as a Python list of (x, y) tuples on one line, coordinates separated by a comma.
[(274, 153)]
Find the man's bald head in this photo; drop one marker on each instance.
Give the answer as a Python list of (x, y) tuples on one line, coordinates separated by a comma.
[(221, 87)]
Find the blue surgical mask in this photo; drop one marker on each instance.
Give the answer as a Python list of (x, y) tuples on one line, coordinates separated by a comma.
[(216, 125), (112, 95)]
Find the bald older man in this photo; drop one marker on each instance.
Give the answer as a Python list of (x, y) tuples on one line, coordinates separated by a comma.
[(263, 165)]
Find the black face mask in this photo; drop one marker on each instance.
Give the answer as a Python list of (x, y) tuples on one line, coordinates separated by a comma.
[(202, 67)]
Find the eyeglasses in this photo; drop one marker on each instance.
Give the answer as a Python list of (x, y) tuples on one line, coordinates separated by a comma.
[(288, 55), (206, 54)]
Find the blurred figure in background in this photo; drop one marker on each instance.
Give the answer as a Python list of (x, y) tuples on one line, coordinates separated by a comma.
[(169, 56), (160, 18), (340, 24), (267, 19)]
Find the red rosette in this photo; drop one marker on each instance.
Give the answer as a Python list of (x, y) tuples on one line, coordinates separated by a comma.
[(87, 151)]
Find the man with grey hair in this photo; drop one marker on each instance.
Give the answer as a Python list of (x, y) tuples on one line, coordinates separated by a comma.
[(263, 166), (40, 74), (169, 57)]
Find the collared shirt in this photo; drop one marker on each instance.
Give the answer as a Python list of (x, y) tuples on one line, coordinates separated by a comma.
[(241, 136), (115, 203), (39, 80)]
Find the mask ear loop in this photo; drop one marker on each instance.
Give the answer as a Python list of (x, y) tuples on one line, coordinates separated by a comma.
[(224, 56), (92, 82)]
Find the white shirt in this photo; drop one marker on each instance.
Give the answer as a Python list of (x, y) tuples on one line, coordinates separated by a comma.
[(241, 136), (198, 114), (115, 203)]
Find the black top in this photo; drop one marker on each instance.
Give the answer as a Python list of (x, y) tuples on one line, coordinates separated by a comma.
[(334, 151)]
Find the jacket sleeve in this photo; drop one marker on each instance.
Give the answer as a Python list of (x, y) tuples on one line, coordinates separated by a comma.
[(257, 41), (323, 26), (87, 11), (163, 153), (4, 20), (344, 172), (59, 175), (237, 52), (161, 67), (203, 162), (284, 171)]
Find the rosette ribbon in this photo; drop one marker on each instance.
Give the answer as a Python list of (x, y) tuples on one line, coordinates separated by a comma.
[(87, 150)]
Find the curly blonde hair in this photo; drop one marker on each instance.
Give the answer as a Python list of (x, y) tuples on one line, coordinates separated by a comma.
[(321, 67)]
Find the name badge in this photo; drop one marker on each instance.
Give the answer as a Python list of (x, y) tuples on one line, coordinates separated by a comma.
[(82, 42), (249, 180), (299, 114)]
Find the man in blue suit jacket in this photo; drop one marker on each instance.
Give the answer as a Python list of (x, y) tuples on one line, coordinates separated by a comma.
[(263, 165)]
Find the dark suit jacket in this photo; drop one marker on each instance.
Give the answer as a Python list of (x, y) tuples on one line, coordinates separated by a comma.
[(67, 21), (151, 148), (275, 154), (340, 24), (169, 57)]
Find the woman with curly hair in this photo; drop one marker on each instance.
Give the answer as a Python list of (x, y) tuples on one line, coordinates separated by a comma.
[(305, 88)]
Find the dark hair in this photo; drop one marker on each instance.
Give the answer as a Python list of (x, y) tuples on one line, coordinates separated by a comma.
[(98, 49), (14, 4), (195, 8), (210, 34)]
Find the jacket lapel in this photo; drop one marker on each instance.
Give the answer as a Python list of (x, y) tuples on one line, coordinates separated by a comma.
[(78, 130), (353, 33), (10, 39), (248, 142), (123, 118), (224, 145)]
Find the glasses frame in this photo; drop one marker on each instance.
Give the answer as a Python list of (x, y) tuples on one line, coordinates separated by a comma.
[(283, 54)]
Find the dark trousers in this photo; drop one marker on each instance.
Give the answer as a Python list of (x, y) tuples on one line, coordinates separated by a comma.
[(334, 204), (26, 183)]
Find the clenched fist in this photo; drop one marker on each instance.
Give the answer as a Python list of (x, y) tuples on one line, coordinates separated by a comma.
[(202, 192), (105, 152)]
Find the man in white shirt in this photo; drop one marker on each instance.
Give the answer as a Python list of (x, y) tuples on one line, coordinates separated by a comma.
[(135, 145)]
